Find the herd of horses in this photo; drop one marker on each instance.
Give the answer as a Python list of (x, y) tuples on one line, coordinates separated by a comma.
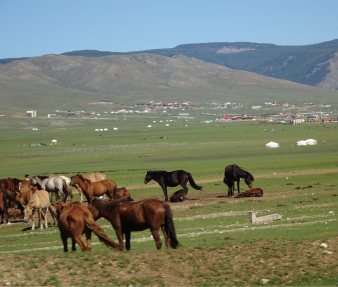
[(43, 194)]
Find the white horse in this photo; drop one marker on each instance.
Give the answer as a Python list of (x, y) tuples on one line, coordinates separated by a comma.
[(53, 184), (39, 202)]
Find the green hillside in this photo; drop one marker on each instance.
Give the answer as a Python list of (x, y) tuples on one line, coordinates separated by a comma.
[(74, 83), (307, 64)]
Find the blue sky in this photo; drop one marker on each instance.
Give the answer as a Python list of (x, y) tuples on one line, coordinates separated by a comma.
[(39, 27)]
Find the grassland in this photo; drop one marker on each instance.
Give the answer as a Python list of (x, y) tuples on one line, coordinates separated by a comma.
[(218, 244)]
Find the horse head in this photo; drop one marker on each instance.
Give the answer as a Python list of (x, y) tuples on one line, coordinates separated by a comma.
[(148, 177), (249, 179)]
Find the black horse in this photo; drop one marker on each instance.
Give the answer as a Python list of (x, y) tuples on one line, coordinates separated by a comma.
[(234, 173), (171, 179)]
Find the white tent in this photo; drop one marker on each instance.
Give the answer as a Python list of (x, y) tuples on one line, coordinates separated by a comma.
[(272, 145), (300, 143), (306, 142), (311, 142)]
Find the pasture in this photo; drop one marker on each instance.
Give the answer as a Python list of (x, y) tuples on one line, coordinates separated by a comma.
[(219, 246)]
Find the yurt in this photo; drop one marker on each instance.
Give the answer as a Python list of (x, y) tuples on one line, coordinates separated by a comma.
[(272, 145), (301, 143), (311, 142)]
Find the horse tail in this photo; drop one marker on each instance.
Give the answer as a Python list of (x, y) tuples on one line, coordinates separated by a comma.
[(169, 226), (192, 182), (53, 213), (65, 190), (91, 224)]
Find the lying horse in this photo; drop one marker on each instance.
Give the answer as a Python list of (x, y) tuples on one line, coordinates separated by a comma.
[(127, 216), (91, 189), (179, 196), (252, 192), (74, 219), (233, 173), (171, 179), (39, 202)]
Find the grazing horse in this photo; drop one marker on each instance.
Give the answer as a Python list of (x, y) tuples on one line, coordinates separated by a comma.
[(74, 219), (39, 201), (171, 179), (52, 184), (122, 192), (128, 216), (91, 189), (234, 173)]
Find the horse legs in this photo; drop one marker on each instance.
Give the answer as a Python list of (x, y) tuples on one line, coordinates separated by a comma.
[(230, 190), (46, 219), (156, 235), (65, 243), (78, 239), (88, 234), (33, 221), (128, 235), (166, 237), (165, 192), (73, 245), (238, 191)]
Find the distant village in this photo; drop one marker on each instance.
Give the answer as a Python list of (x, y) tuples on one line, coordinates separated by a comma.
[(270, 111)]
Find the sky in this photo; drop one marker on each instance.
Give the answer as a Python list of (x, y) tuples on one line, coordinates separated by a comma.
[(38, 27)]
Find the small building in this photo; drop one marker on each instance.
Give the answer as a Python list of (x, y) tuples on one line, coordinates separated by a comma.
[(31, 114)]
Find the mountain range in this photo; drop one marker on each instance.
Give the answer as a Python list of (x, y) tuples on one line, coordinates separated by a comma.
[(239, 72)]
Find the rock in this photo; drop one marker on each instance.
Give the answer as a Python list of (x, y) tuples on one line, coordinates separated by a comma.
[(264, 281), (323, 245)]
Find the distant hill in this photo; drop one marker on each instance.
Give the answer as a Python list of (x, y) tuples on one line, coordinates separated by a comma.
[(315, 65), (66, 82)]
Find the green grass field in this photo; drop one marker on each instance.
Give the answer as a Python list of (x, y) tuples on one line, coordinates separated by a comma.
[(218, 244)]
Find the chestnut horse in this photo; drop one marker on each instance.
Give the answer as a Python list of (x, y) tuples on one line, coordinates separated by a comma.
[(25, 191), (172, 178), (128, 216), (91, 189), (74, 219), (122, 192)]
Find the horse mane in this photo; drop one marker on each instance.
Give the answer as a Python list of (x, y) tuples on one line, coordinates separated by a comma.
[(42, 177), (83, 178)]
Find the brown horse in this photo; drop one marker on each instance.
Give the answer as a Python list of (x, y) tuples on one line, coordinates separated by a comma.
[(122, 192), (10, 186), (25, 192), (3, 207), (127, 216), (91, 189), (74, 219), (252, 192), (179, 196)]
